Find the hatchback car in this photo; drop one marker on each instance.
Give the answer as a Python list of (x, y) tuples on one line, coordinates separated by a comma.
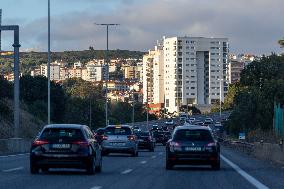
[(120, 139), (65, 146), (146, 141), (193, 145)]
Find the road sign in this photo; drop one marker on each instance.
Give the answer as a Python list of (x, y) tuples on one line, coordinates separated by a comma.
[(242, 136)]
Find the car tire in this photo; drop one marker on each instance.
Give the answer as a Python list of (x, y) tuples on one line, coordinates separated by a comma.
[(98, 168), (216, 166), (169, 165), (34, 169), (91, 166)]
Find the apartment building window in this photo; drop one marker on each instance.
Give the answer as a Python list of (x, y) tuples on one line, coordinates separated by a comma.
[(192, 47), (192, 53), (187, 93), (187, 59), (192, 42), (192, 93), (187, 47), (179, 47), (192, 64), (180, 59), (180, 53), (192, 82), (167, 102), (187, 53), (192, 87), (187, 65), (187, 81), (187, 87)]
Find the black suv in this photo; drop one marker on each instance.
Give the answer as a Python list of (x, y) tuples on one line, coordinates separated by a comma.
[(192, 146), (159, 136), (65, 146), (146, 141)]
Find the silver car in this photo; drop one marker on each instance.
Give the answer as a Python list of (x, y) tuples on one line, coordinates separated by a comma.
[(120, 139)]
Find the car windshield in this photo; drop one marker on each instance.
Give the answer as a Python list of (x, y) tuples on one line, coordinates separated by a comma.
[(192, 135), (118, 131), (62, 133)]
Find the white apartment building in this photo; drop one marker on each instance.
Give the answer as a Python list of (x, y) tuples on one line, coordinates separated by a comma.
[(54, 71), (94, 72), (153, 72), (194, 70)]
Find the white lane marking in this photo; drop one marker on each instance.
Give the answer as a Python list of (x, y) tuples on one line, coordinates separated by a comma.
[(160, 153), (248, 177), (14, 155), (13, 169), (126, 171), (143, 162), (153, 157), (96, 187)]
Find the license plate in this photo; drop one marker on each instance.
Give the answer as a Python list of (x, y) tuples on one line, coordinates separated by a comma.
[(118, 144), (61, 146), (193, 149)]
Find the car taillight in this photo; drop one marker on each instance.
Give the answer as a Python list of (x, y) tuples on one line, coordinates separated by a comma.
[(211, 144), (209, 147), (104, 137), (174, 146), (39, 142), (131, 137), (81, 143)]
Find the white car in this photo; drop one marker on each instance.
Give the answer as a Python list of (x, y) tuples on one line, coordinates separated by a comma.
[(208, 119)]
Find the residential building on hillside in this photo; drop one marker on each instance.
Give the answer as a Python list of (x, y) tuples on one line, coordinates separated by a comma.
[(54, 71), (94, 72), (235, 69)]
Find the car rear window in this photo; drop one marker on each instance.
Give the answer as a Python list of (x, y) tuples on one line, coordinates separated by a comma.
[(192, 135), (66, 134), (100, 131), (118, 131)]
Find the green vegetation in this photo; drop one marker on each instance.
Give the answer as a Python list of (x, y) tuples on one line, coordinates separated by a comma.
[(252, 99), (71, 102), (30, 60)]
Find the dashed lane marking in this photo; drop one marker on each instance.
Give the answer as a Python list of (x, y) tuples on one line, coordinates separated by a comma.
[(248, 177), (153, 157), (126, 171), (143, 162), (96, 187), (160, 153), (13, 169), (14, 155)]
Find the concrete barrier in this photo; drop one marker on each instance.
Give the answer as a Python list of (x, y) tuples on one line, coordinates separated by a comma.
[(15, 145), (265, 151)]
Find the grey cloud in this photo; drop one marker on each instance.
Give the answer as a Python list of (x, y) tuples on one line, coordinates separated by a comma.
[(251, 25)]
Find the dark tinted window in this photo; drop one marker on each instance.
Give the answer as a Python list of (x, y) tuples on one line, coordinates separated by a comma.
[(100, 131), (66, 134), (118, 131), (192, 135)]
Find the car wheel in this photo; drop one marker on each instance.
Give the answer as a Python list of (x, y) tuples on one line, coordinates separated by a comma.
[(91, 166), (98, 168), (169, 165), (216, 165), (34, 169)]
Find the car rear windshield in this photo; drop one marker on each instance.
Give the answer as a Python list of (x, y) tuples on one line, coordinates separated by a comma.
[(118, 131), (66, 134), (192, 135), (100, 131)]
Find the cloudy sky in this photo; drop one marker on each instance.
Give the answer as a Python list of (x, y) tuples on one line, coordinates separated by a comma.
[(252, 26)]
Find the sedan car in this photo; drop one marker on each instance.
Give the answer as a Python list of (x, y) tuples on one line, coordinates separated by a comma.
[(120, 139), (159, 136), (65, 146), (146, 141), (193, 145)]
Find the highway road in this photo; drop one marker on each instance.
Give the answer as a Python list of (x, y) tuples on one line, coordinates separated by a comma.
[(147, 171)]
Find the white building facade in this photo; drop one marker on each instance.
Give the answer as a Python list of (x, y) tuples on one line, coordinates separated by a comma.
[(194, 70)]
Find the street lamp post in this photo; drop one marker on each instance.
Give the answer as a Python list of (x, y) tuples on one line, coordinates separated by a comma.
[(133, 108), (220, 105), (48, 66), (16, 46), (107, 70)]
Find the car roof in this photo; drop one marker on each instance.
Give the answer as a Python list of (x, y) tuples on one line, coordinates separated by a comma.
[(71, 126), (192, 127)]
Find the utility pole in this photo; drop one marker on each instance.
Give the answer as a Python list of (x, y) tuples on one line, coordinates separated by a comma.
[(133, 108), (0, 30), (220, 98), (48, 66), (107, 70)]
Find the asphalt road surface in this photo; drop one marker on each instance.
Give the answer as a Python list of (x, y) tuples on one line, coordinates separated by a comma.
[(146, 172)]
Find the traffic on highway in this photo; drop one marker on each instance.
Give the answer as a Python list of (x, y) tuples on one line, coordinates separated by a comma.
[(175, 153)]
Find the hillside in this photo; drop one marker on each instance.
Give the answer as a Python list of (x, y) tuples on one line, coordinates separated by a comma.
[(30, 60)]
